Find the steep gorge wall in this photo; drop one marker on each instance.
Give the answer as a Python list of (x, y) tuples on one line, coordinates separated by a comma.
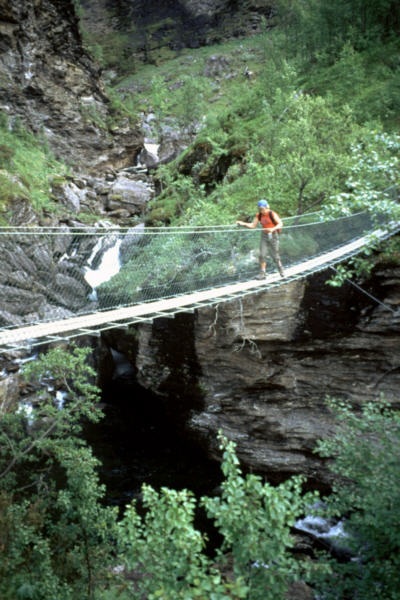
[(260, 368), (50, 83)]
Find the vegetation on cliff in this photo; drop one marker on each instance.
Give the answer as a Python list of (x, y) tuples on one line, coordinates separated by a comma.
[(310, 126), (54, 533), (365, 450), (27, 166), (57, 540), (280, 115)]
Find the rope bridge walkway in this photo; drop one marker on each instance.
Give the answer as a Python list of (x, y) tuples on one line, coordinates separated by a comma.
[(87, 280)]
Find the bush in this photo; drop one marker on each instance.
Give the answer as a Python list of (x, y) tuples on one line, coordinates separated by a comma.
[(55, 536), (28, 166), (166, 552), (365, 450)]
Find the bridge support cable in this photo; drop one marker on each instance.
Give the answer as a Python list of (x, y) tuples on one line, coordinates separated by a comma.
[(84, 281), (360, 289)]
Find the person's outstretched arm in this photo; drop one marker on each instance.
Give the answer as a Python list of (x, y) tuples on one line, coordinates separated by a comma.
[(252, 225)]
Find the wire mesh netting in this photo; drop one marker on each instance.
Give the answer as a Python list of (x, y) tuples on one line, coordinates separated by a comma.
[(56, 273)]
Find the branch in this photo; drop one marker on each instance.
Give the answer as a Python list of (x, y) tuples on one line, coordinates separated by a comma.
[(28, 449)]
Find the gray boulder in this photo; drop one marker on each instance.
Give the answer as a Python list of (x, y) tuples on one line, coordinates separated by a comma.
[(129, 194), (70, 196)]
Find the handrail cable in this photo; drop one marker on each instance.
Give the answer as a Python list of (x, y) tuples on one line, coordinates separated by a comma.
[(69, 279)]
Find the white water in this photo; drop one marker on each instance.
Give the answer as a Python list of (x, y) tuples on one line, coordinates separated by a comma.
[(108, 267), (152, 148), (320, 527), (26, 409), (60, 399), (22, 361)]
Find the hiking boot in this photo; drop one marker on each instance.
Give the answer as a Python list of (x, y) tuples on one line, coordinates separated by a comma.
[(281, 272), (261, 275)]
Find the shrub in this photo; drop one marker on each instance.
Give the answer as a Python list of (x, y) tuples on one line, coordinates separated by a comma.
[(55, 536), (365, 451), (166, 552)]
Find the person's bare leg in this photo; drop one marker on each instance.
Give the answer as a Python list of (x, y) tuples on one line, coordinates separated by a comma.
[(262, 274)]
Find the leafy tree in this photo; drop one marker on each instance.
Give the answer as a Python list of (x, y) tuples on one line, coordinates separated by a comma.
[(311, 156), (371, 186), (254, 519), (166, 552), (190, 106), (289, 147), (365, 451), (302, 157), (55, 537)]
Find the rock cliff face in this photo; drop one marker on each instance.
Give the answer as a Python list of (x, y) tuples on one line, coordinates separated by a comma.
[(260, 368), (155, 28), (48, 81)]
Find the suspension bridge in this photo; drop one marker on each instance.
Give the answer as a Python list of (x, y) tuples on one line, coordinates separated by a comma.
[(87, 280)]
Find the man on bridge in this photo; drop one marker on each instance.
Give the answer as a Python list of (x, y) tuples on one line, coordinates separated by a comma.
[(271, 226)]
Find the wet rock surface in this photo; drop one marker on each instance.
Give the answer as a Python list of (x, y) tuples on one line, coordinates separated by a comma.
[(33, 286), (50, 83)]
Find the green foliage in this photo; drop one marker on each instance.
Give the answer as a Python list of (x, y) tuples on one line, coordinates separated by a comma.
[(288, 147), (189, 101), (110, 49), (182, 106), (11, 189), (365, 449), (348, 49), (311, 153), (165, 549), (319, 25), (294, 160), (372, 185), (27, 165), (297, 246), (166, 552), (55, 536), (254, 519), (373, 73), (178, 192), (6, 154), (121, 110), (290, 132)]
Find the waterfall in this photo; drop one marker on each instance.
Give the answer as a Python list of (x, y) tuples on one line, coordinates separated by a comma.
[(109, 266)]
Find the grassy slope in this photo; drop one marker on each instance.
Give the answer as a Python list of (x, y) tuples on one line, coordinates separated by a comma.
[(26, 169), (233, 161)]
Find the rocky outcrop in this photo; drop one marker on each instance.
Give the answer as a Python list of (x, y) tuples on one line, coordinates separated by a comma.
[(260, 368), (119, 195), (52, 86), (41, 278), (207, 8)]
